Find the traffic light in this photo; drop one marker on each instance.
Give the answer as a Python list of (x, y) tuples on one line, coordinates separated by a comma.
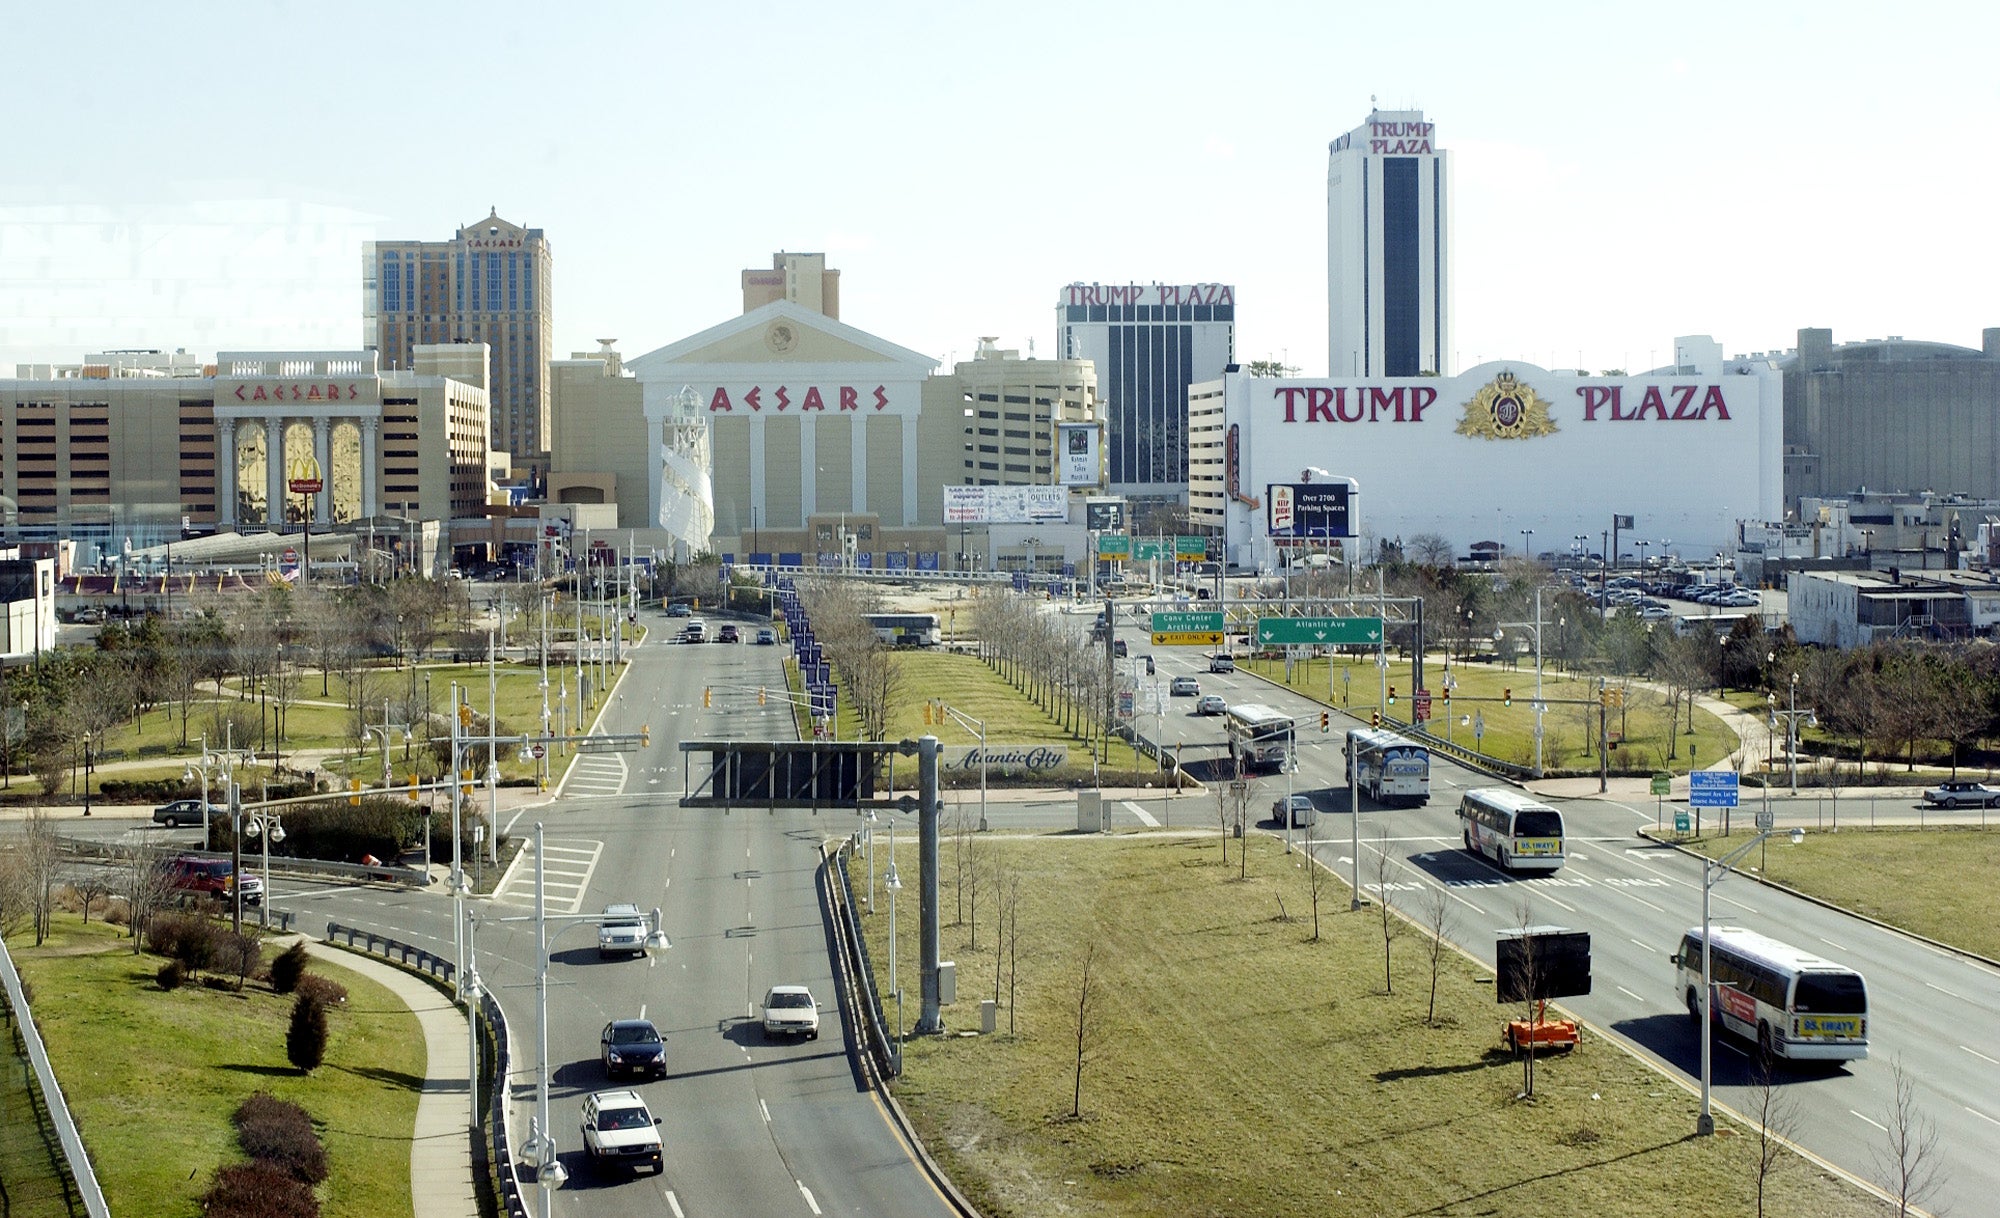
[(1447, 696), (707, 697), (1507, 697), (645, 735), (760, 695), (1392, 695), (1375, 719), (1325, 721), (927, 714), (465, 715)]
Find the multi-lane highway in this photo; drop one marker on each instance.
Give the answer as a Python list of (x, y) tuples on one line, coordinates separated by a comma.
[(749, 1127), (1932, 1010)]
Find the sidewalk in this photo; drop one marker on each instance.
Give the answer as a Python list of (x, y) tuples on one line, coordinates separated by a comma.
[(441, 1171)]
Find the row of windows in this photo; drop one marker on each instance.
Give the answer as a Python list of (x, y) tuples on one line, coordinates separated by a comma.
[(1200, 312)]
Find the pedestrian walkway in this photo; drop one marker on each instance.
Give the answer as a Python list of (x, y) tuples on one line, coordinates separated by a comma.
[(441, 1172)]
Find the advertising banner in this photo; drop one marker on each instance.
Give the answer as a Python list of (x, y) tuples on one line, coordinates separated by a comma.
[(1005, 504), (1309, 509), (1104, 515), (1077, 452)]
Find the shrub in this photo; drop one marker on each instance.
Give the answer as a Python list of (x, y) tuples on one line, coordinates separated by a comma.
[(258, 1190), (190, 939), (326, 992), (281, 1133), (172, 975), (289, 967), (305, 1039), (213, 982)]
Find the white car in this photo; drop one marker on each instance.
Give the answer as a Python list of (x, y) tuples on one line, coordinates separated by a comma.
[(618, 1128), (621, 928), (1210, 704), (789, 1010), (1184, 687)]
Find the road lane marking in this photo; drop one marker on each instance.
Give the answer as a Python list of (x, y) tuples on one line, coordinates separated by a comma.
[(1832, 944), (675, 1203), (1940, 989), (1644, 901), (1981, 1056), (808, 1195), (1982, 1116), (1630, 994), (1649, 947), (1145, 817), (1877, 1124), (765, 1109)]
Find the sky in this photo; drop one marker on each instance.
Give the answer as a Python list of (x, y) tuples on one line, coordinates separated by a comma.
[(203, 177)]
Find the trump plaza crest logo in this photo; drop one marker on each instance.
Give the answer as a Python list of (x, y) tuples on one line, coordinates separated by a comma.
[(1506, 408)]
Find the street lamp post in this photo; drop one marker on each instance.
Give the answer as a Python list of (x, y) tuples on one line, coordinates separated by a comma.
[(224, 762), (1527, 543), (894, 883), (267, 827), (539, 1152), (1711, 871)]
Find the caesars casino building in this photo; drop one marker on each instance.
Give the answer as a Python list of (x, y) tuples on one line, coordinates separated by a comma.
[(1507, 453)]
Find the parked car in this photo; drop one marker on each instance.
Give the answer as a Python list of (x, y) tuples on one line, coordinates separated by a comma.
[(1221, 663), (621, 928), (766, 636), (789, 1010), (1960, 793), (1184, 687), (213, 877), (1303, 812), (632, 1046), (728, 634), (618, 1128), (180, 812), (1210, 704)]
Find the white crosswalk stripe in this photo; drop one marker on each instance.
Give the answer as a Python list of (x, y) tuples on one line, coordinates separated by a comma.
[(566, 870), (596, 776)]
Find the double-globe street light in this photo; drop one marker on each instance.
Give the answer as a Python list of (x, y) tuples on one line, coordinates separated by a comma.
[(267, 827), (539, 1150), (1713, 870)]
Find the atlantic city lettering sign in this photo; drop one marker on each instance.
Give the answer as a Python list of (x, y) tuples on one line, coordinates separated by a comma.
[(1006, 758)]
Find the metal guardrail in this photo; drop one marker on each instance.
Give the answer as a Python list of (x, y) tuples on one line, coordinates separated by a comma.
[(381, 873), (74, 1155), (887, 1055), (382, 945), (500, 1122)]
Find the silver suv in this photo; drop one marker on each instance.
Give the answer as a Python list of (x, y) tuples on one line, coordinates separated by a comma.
[(621, 928)]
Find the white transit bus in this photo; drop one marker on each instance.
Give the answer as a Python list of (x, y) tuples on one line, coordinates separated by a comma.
[(1259, 736), (905, 629), (1516, 831), (1790, 1003), (1388, 766)]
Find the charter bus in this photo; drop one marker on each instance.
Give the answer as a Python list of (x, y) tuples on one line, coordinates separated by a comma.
[(904, 629), (1514, 830), (1791, 1003), (1259, 736), (1388, 766)]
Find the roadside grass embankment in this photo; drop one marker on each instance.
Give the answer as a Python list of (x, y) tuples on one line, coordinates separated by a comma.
[(153, 1075), (1234, 1065)]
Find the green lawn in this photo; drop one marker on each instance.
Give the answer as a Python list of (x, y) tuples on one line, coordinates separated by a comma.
[(969, 686), (1237, 1067), (32, 1178), (1354, 684), (153, 1076), (1934, 882)]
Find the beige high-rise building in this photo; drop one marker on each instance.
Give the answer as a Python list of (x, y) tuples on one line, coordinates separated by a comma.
[(1011, 407), (491, 283), (802, 279)]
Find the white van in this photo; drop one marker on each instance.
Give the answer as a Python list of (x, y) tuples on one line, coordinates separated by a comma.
[(695, 631)]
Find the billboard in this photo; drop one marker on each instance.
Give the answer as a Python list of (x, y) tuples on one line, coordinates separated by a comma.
[(1104, 515), (1310, 509), (1005, 504), (1077, 454)]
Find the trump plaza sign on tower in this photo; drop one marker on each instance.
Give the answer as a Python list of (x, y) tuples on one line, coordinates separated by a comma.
[(1505, 452)]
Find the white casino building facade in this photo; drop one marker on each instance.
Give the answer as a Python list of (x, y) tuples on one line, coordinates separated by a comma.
[(1506, 452)]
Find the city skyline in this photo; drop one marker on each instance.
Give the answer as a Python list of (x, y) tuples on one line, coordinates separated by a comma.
[(1599, 198)]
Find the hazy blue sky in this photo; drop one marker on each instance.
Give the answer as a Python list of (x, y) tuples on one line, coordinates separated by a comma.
[(1623, 173)]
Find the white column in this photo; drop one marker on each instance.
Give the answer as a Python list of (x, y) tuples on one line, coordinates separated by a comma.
[(321, 505), (370, 428), (909, 470), (274, 472), (808, 475), (225, 474), (857, 463), (757, 502)]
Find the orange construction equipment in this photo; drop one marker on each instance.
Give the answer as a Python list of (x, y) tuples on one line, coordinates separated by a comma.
[(1541, 1032)]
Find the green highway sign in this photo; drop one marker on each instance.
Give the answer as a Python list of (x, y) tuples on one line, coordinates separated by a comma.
[(1114, 545), (1191, 547), (1307, 631), (1663, 784), (1203, 620), (1146, 548)]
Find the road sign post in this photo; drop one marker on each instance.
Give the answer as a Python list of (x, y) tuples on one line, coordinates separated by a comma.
[(1711, 789)]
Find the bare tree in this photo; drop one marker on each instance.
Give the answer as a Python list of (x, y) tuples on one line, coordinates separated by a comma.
[(1530, 979), (1437, 921), (1909, 1166), (1316, 881), (42, 866), (1777, 1120), (147, 889), (16, 893), (90, 884), (1084, 1010), (1222, 817), (1382, 899), (1012, 908)]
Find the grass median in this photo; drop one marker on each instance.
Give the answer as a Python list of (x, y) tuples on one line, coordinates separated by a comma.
[(153, 1075), (1926, 881), (1234, 1064)]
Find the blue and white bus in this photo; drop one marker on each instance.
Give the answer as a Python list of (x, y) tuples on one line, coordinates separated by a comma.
[(1789, 1003), (905, 629), (1388, 766), (1258, 736), (1516, 831)]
